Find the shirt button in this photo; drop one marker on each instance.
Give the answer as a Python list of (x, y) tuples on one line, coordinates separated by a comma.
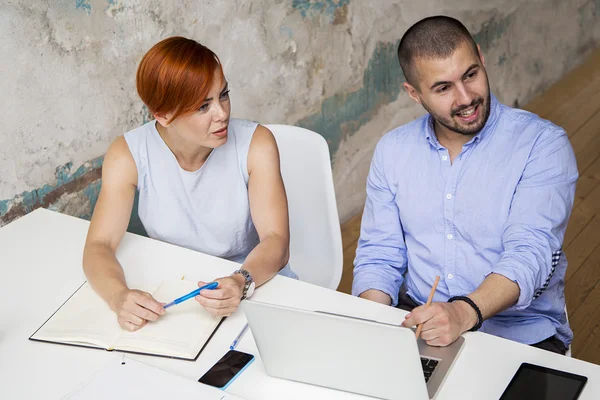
[(448, 196), (450, 276), (450, 236), (444, 158)]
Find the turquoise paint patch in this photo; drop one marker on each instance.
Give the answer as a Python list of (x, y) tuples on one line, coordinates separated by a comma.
[(313, 8), (4, 204), (344, 113), (83, 5), (146, 115)]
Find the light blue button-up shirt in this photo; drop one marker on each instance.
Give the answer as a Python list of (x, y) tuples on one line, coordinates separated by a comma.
[(501, 207)]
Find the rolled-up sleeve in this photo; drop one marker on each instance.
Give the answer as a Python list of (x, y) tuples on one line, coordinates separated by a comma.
[(380, 260), (538, 217)]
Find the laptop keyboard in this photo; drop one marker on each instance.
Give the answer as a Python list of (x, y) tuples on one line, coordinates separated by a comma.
[(428, 365)]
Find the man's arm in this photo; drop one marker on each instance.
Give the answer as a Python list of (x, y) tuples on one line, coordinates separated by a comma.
[(534, 231), (380, 260)]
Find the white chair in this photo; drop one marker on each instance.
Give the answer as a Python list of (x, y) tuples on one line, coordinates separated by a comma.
[(316, 253)]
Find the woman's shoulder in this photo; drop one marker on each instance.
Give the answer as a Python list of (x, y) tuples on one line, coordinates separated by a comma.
[(140, 133), (242, 126)]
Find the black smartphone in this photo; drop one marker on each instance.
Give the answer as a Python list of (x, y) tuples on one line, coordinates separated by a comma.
[(532, 382), (229, 367)]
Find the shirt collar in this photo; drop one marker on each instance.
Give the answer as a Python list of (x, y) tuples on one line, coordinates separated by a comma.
[(489, 126)]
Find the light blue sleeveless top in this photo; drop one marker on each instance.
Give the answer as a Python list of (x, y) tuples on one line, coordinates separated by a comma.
[(207, 210)]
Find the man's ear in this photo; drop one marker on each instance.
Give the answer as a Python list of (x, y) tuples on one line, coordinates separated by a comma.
[(481, 55), (412, 92)]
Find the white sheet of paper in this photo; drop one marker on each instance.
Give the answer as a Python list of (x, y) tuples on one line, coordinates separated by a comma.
[(135, 380)]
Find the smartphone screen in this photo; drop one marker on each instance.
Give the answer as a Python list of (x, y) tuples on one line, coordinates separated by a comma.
[(533, 382), (226, 369)]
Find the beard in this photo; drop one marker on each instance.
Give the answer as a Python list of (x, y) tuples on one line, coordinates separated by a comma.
[(465, 129)]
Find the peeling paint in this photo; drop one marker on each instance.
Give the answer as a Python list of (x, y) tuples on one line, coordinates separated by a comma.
[(91, 192), (83, 5), (66, 182), (4, 206), (146, 115), (344, 113), (313, 8), (491, 31)]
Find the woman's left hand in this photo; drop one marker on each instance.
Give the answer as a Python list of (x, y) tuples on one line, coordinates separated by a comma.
[(223, 300)]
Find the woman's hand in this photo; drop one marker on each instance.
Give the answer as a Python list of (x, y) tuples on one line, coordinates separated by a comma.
[(225, 299), (135, 308)]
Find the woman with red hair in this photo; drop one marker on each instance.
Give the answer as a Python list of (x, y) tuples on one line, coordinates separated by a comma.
[(205, 181)]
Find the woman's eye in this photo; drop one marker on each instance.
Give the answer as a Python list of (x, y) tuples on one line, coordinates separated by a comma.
[(204, 107), (225, 95)]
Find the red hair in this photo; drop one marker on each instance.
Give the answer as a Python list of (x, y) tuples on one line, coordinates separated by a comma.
[(175, 76)]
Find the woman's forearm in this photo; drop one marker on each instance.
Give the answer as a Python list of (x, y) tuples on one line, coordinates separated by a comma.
[(103, 271), (267, 258)]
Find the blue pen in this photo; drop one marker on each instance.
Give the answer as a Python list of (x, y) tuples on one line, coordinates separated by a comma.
[(238, 337), (212, 285)]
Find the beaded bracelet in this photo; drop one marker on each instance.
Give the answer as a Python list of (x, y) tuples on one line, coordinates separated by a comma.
[(472, 304)]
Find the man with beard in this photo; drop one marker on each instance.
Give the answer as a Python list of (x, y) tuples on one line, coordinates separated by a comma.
[(475, 192)]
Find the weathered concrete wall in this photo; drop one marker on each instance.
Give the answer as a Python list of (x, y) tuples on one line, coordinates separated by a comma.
[(67, 74)]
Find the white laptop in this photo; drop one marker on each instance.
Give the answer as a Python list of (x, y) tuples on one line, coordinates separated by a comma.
[(348, 353)]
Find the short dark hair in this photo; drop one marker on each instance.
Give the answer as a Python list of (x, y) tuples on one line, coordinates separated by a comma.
[(431, 38)]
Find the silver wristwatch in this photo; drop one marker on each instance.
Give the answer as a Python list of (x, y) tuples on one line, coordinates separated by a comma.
[(249, 285)]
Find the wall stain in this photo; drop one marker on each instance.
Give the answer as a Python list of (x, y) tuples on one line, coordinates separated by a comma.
[(83, 5), (491, 31), (344, 113), (314, 8), (146, 115), (66, 182)]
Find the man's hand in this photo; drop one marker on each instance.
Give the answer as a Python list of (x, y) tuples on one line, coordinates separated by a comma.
[(225, 299), (135, 308), (442, 323)]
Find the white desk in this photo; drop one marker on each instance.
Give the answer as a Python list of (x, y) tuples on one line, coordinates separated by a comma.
[(40, 266)]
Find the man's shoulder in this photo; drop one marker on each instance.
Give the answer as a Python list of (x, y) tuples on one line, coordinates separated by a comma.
[(524, 121), (407, 134)]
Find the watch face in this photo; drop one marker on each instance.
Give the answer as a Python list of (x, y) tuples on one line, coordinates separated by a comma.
[(250, 289)]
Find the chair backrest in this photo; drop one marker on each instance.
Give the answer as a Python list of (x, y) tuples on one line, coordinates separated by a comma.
[(316, 253)]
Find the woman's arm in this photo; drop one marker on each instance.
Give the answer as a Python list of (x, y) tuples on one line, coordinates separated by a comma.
[(109, 223), (269, 210)]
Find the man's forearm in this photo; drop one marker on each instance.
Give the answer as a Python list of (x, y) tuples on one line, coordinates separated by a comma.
[(495, 294), (377, 296)]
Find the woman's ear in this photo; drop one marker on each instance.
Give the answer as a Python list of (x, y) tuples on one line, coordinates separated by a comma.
[(163, 119)]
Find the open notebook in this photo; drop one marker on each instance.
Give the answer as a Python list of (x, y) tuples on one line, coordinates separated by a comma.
[(86, 320)]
